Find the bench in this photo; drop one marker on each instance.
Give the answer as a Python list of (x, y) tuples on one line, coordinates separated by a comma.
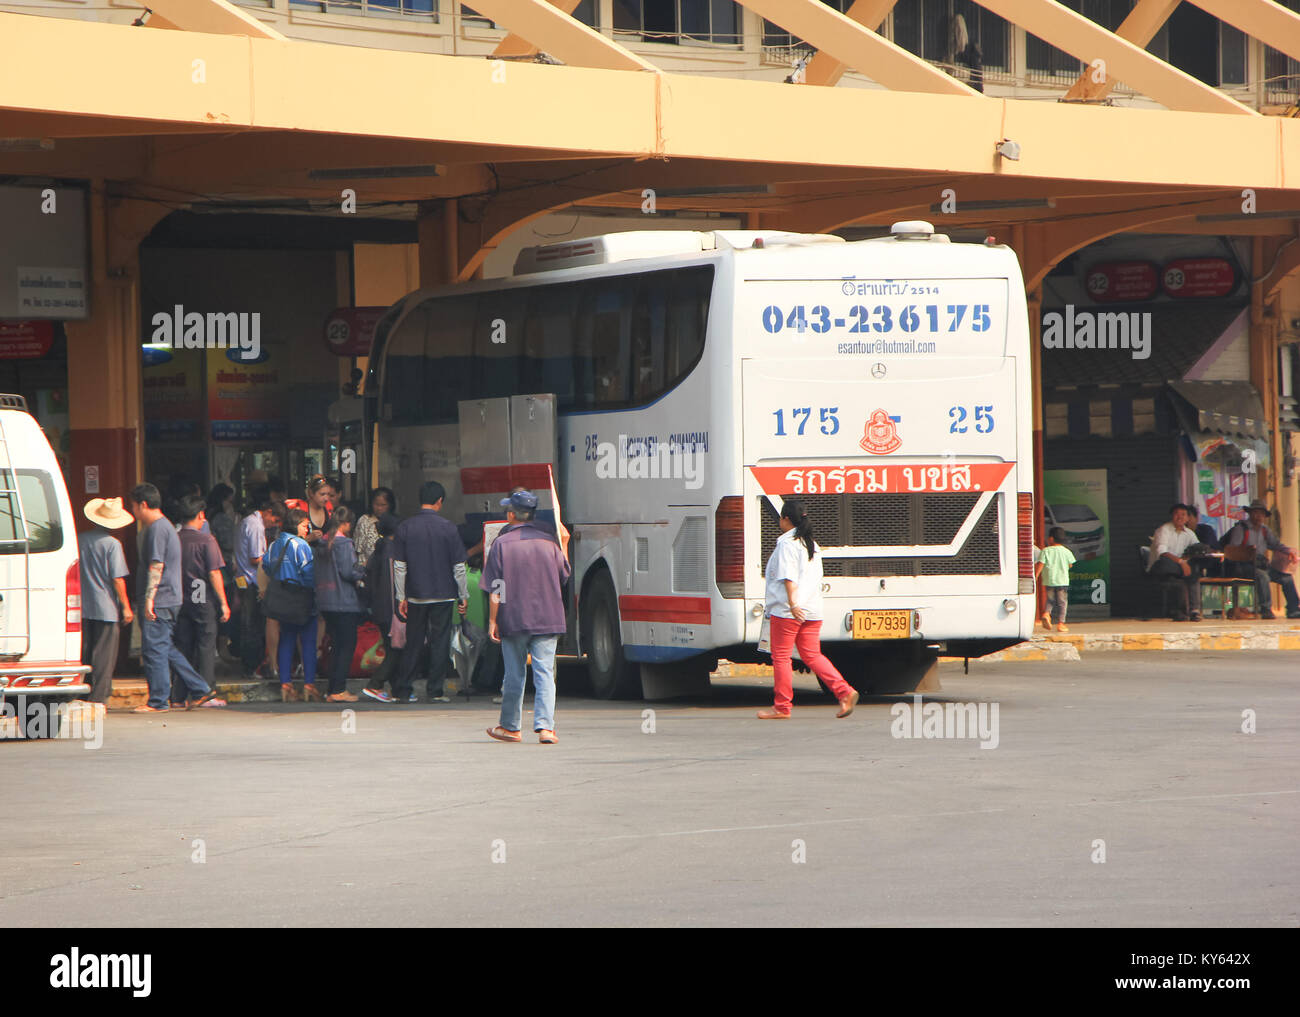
[(1216, 592)]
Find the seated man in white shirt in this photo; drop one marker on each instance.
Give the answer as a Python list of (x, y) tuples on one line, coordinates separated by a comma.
[(1168, 548)]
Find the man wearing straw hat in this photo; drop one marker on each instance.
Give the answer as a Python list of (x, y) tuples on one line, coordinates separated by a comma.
[(104, 602), (1254, 532)]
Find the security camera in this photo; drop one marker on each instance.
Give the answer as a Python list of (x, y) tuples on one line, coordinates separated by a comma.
[(1008, 149)]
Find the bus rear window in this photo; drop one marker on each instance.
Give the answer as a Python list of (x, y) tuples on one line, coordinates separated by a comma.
[(40, 508)]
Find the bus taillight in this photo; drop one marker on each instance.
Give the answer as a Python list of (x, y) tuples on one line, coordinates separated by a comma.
[(729, 546), (1025, 548), (72, 593)]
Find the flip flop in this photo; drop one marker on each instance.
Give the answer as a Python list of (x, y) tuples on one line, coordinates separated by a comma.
[(503, 734)]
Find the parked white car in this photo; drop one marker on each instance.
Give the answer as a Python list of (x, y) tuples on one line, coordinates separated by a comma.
[(40, 583)]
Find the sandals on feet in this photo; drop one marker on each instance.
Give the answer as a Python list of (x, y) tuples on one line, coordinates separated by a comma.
[(503, 734)]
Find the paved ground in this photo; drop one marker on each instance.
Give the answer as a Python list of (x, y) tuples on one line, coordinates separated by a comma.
[(697, 823)]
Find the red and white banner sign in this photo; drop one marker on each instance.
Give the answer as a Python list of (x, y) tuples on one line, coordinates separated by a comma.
[(349, 331), (1199, 277), (1112, 282), (25, 340), (891, 479)]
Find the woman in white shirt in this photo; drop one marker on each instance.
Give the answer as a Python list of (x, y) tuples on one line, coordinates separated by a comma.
[(794, 612)]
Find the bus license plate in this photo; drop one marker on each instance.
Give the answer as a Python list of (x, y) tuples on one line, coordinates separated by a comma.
[(882, 624)]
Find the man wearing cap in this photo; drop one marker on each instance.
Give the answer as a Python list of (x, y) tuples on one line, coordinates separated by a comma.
[(525, 574), (429, 577), (1252, 531), (104, 601)]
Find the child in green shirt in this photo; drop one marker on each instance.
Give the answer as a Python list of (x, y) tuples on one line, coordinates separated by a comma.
[(1056, 560)]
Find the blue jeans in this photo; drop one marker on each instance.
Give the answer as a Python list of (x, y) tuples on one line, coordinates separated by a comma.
[(161, 657), (305, 636), (516, 649)]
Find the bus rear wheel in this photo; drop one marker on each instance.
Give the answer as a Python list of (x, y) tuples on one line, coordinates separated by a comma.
[(612, 675)]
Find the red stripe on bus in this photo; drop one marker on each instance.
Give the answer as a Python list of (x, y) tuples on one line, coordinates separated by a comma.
[(685, 610), (493, 479)]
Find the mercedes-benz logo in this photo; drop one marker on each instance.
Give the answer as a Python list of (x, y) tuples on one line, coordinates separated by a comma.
[(877, 370)]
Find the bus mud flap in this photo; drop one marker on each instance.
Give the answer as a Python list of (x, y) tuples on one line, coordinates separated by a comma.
[(671, 681), (914, 669)]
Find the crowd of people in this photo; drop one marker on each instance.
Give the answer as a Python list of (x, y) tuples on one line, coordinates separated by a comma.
[(291, 577)]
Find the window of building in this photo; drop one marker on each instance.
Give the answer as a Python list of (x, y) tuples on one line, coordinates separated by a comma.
[(584, 12), (1232, 55), (672, 21), (775, 35), (424, 9), (1044, 60), (1281, 72), (927, 28)]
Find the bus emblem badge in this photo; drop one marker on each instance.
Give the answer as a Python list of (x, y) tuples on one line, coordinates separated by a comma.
[(880, 436)]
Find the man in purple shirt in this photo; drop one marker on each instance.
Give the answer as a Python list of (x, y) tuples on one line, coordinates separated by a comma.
[(525, 574)]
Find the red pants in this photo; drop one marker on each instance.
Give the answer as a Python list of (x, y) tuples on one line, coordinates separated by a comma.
[(786, 633)]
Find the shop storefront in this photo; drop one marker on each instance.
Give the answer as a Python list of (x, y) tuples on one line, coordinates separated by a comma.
[(1147, 402)]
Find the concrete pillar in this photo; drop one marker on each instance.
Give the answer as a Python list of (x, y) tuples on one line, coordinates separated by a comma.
[(438, 234), (382, 274), (106, 426), (1263, 375)]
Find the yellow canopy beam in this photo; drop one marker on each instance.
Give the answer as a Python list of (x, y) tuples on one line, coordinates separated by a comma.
[(122, 73), (1139, 28), (855, 46), (558, 34), (217, 17), (1261, 19), (517, 46), (1088, 41), (824, 69)]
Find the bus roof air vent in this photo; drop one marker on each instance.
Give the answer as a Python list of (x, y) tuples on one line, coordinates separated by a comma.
[(915, 229), (610, 248), (745, 240)]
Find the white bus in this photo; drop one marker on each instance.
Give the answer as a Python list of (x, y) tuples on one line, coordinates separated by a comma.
[(698, 379)]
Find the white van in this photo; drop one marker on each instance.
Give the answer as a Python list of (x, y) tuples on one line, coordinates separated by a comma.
[(40, 583)]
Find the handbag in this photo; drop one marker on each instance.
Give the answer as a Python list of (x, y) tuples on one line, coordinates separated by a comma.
[(286, 602), (397, 633)]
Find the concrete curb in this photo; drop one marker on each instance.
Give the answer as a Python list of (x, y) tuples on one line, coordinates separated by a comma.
[(1044, 647)]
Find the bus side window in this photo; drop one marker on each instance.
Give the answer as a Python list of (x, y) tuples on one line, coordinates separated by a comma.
[(602, 334), (688, 309), (647, 339), (499, 345), (449, 356), (404, 369), (548, 364)]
